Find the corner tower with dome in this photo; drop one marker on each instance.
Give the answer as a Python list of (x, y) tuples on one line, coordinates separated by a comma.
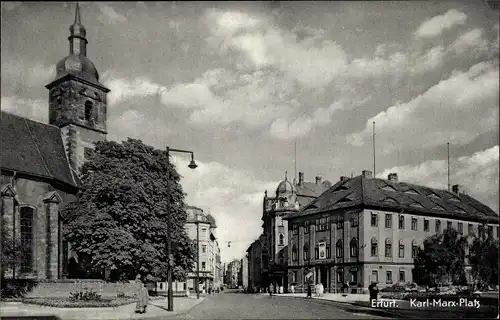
[(289, 197), (77, 100)]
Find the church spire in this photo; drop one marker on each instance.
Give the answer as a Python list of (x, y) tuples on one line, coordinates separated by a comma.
[(77, 14), (77, 40)]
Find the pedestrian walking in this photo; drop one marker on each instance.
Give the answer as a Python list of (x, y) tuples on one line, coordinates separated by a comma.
[(271, 289), (142, 296), (309, 291), (321, 289), (292, 288)]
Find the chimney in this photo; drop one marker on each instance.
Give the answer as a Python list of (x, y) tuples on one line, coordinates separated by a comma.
[(318, 180), (367, 174), (456, 189), (393, 177), (301, 178), (344, 178)]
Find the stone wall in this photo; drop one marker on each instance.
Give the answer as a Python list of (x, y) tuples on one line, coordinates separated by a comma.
[(63, 288)]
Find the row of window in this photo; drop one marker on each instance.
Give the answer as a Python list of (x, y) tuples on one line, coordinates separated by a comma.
[(353, 249), (324, 224), (426, 226), (374, 276), (388, 248)]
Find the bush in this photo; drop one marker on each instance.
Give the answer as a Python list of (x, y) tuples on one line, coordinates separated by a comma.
[(87, 295), (12, 288), (68, 303), (394, 288)]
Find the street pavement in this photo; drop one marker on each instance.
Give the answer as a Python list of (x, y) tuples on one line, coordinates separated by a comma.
[(262, 306)]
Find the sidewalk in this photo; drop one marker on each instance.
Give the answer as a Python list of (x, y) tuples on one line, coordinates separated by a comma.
[(156, 308), (403, 308)]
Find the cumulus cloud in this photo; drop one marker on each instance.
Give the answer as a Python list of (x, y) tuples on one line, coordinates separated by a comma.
[(471, 41), (308, 59), (477, 173), (221, 97), (125, 89), (110, 15), (441, 114), (305, 56), (35, 109), (436, 25), (235, 200)]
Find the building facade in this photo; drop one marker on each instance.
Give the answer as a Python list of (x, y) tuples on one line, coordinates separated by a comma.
[(290, 196), (243, 273), (254, 254), (41, 162), (365, 230), (200, 227), (232, 274)]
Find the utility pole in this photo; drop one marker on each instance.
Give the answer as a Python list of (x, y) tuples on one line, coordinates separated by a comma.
[(197, 260), (448, 144), (374, 171)]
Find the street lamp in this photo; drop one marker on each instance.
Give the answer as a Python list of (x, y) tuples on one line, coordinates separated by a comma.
[(170, 257)]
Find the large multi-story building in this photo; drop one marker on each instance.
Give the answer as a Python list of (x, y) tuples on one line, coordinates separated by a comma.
[(200, 227), (290, 197), (365, 230)]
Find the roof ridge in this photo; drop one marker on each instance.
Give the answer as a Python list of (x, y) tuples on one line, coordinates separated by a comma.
[(28, 119), (38, 149)]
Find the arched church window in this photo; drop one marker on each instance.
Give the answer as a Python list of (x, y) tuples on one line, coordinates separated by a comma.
[(88, 110), (26, 215)]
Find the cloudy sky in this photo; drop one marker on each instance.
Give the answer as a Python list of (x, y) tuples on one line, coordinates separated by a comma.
[(240, 83)]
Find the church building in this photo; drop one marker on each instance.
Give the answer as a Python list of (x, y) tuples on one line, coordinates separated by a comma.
[(40, 162)]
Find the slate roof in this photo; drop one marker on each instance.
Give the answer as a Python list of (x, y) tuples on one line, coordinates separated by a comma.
[(308, 191), (397, 196), (34, 148)]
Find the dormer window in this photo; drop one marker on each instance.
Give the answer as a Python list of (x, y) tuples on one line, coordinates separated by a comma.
[(88, 110)]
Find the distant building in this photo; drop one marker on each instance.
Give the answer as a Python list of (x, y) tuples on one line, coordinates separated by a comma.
[(243, 273), (233, 270), (201, 226), (365, 230), (254, 254), (290, 197)]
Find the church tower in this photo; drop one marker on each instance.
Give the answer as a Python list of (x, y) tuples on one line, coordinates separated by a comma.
[(77, 100)]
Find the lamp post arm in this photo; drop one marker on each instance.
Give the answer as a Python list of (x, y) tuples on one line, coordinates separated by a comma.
[(180, 150)]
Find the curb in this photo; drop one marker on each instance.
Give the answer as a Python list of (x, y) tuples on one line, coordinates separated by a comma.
[(171, 314), (360, 307)]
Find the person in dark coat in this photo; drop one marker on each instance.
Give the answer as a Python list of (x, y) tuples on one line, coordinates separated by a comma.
[(309, 291), (373, 289), (142, 296)]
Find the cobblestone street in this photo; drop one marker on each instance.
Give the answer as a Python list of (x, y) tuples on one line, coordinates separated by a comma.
[(261, 306)]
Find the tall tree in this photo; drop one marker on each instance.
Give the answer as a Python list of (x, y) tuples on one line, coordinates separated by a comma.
[(442, 258), (119, 221), (483, 257)]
